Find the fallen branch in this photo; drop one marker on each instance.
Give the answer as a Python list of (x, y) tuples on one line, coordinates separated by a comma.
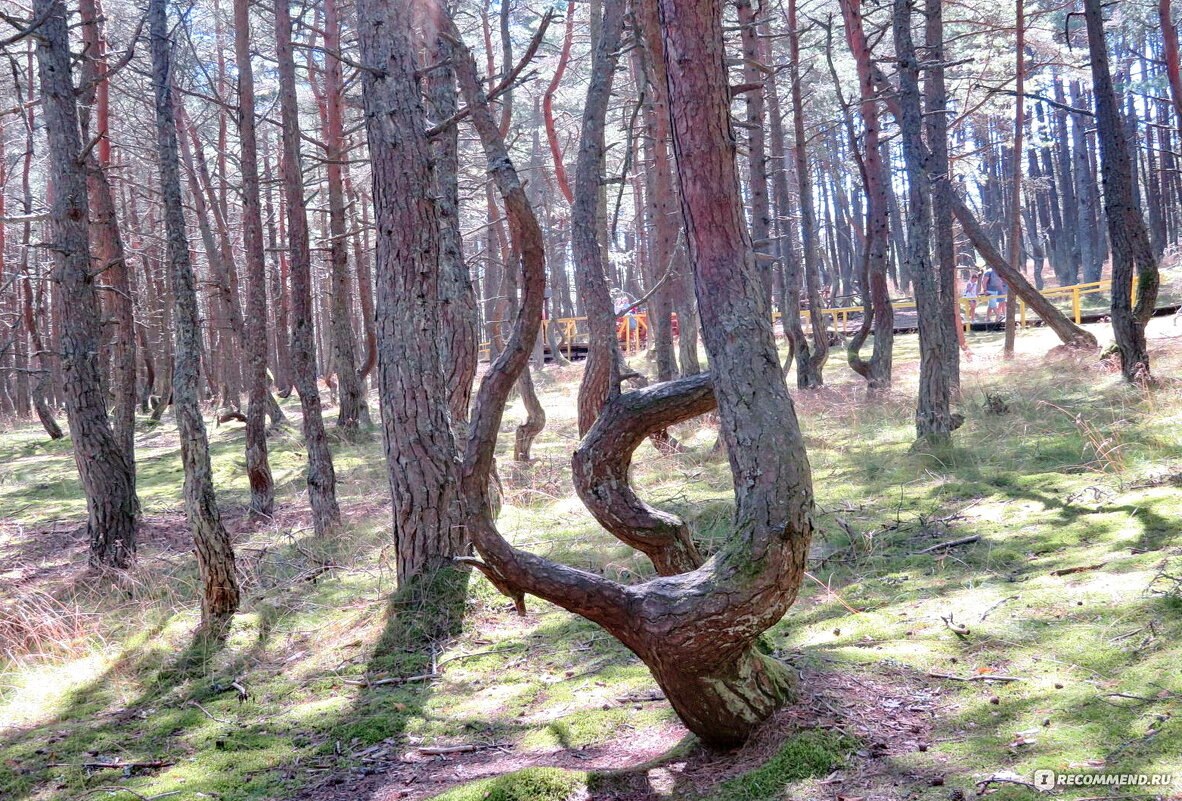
[(982, 677), (959, 629), (1067, 571), (990, 610), (112, 765), (983, 785), (391, 680), (208, 714), (443, 750), (950, 544)]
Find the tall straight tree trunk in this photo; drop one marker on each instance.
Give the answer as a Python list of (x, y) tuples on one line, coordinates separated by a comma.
[(459, 332), (1132, 252), (107, 476), (1169, 38), (601, 369), (940, 170), (110, 261), (352, 402), (215, 555), (322, 489), (809, 361), (420, 446), (662, 195), (933, 417), (754, 76), (258, 469), (1016, 166)]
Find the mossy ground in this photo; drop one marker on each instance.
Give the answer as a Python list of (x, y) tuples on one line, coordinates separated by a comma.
[(1081, 471)]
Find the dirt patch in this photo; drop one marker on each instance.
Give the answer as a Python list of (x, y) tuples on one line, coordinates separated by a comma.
[(888, 713)]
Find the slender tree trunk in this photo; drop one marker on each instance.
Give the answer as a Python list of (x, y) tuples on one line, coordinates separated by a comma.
[(352, 401), (258, 469), (879, 314), (107, 476), (322, 491), (809, 361), (1132, 252), (600, 371), (940, 170), (1016, 260), (933, 416), (110, 262), (215, 555)]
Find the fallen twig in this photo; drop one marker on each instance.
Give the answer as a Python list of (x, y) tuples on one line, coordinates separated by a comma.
[(391, 680), (991, 609), (981, 677), (950, 544), (111, 765), (1067, 571), (142, 797), (959, 629), (983, 785), (443, 750), (208, 714)]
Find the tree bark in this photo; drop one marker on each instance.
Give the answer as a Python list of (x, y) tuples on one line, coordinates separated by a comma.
[(809, 360), (420, 446), (1132, 252), (258, 469), (352, 401), (326, 514), (107, 476), (879, 314), (600, 370), (933, 415), (215, 555)]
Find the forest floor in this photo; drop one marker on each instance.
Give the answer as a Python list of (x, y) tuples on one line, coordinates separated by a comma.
[(1067, 480)]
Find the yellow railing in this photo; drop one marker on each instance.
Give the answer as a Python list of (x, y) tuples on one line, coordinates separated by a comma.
[(632, 329)]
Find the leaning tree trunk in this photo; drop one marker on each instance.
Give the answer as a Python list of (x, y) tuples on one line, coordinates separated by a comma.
[(322, 489), (107, 476), (258, 468), (215, 555), (601, 369), (1131, 247), (420, 445)]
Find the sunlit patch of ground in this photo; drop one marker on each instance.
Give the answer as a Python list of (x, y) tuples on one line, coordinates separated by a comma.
[(1072, 495)]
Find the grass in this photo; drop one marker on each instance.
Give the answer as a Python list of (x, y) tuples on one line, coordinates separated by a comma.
[(1080, 471)]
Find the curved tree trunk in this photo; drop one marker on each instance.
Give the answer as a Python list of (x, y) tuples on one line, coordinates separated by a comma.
[(696, 631), (107, 476), (215, 555)]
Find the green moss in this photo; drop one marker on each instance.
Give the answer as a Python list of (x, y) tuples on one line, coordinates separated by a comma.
[(531, 784), (807, 755)]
